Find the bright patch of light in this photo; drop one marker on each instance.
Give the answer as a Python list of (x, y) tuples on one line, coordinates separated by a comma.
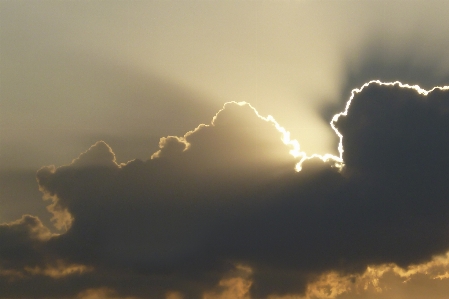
[(294, 144), (337, 161)]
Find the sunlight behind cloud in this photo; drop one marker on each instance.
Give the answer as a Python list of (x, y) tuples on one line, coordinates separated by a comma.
[(293, 143), (323, 192), (215, 208)]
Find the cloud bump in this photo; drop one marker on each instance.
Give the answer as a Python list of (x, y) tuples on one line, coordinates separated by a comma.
[(221, 211)]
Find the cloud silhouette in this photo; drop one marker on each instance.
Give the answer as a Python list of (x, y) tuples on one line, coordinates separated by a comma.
[(223, 206)]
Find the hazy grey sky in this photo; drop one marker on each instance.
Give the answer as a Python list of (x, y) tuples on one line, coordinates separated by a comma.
[(130, 72)]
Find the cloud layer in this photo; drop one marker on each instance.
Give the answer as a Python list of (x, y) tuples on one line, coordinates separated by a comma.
[(223, 206)]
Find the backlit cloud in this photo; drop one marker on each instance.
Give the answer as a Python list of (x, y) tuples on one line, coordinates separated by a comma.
[(221, 212)]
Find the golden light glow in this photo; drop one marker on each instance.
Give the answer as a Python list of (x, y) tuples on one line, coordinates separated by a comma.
[(337, 161), (174, 295), (235, 287), (101, 293), (62, 219), (293, 143), (59, 270), (375, 280)]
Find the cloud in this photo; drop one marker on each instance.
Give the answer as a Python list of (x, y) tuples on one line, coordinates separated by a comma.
[(221, 212), (22, 241), (382, 57)]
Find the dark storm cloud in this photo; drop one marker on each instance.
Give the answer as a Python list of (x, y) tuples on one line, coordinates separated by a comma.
[(68, 105), (382, 58), (21, 242), (226, 195)]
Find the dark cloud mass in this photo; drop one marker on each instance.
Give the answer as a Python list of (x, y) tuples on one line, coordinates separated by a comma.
[(224, 201)]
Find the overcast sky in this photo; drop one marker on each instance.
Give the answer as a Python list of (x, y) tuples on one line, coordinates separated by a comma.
[(219, 211)]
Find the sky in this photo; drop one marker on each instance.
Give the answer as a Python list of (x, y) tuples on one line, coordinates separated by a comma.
[(224, 149)]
